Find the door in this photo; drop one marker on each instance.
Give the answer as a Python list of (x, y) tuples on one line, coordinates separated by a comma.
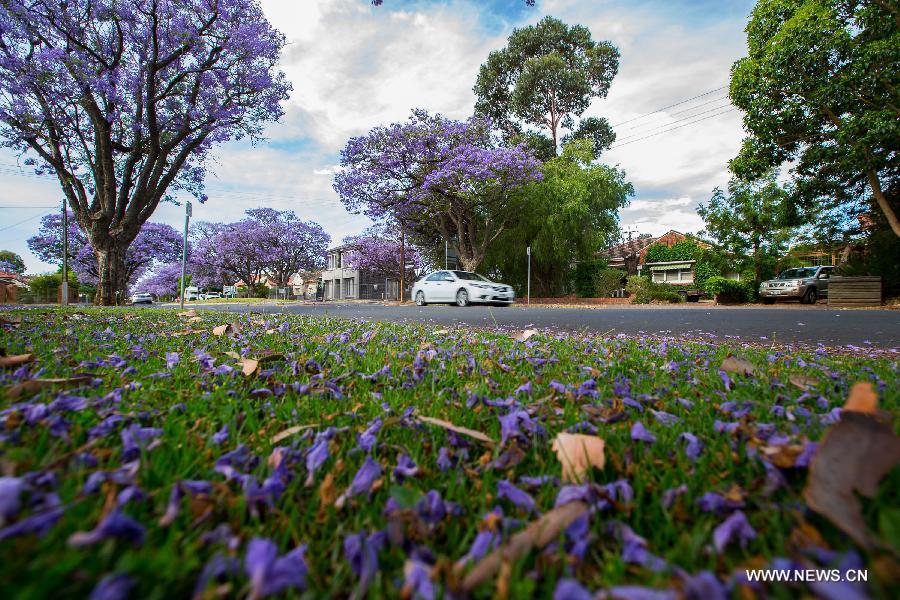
[(822, 282), (433, 287), (447, 287)]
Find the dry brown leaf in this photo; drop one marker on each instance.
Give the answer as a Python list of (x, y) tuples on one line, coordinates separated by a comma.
[(249, 366), (441, 332), (233, 355), (741, 366), (221, 330), (862, 398), (33, 386), (854, 455), (477, 435), (291, 431), (15, 360), (576, 453), (327, 490), (536, 535), (188, 313), (804, 382), (522, 336)]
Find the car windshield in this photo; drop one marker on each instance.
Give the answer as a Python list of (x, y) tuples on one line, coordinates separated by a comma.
[(466, 275), (798, 273)]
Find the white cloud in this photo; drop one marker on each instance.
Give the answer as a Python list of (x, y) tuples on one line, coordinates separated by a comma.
[(354, 66)]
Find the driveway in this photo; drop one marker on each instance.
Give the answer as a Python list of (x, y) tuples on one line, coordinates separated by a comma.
[(775, 324)]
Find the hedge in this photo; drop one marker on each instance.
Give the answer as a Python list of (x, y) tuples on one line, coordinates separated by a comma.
[(646, 291), (728, 290)]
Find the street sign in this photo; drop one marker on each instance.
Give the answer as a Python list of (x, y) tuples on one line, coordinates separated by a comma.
[(528, 250), (187, 209)]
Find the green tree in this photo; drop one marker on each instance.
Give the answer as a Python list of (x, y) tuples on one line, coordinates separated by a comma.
[(546, 77), (567, 217), (748, 221), (11, 258), (821, 88)]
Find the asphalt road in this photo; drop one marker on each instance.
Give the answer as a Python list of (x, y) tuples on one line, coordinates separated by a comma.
[(780, 324)]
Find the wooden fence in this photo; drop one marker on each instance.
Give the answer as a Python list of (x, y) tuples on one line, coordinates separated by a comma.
[(854, 291)]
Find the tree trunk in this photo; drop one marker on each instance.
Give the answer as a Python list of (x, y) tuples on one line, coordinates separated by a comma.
[(111, 287), (883, 202)]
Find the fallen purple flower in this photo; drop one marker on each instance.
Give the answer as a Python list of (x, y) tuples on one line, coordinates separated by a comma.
[(361, 552), (39, 524), (569, 589), (113, 587), (115, 525), (270, 574), (735, 528), (639, 433), (405, 468), (221, 436), (510, 492), (11, 489), (694, 445), (362, 481)]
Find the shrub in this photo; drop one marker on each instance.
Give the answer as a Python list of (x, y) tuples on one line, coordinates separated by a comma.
[(658, 253), (703, 270), (606, 281), (260, 290), (727, 290), (584, 277), (645, 291), (684, 250)]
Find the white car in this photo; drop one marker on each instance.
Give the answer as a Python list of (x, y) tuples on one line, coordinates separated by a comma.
[(210, 295), (462, 288), (141, 298)]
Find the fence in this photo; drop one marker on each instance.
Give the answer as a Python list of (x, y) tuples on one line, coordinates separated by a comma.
[(854, 291)]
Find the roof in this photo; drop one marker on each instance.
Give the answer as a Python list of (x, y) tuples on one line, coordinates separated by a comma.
[(626, 249)]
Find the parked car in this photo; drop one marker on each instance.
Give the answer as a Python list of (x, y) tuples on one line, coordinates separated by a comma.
[(462, 288), (141, 298), (210, 295), (191, 293), (807, 284)]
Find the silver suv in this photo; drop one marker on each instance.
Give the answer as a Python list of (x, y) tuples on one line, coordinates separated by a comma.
[(807, 284)]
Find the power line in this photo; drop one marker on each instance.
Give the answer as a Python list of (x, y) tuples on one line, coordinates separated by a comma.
[(718, 89), (4, 207), (681, 112), (22, 221), (658, 127), (673, 128)]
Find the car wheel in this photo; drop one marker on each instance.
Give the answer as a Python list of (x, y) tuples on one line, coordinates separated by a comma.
[(420, 299), (462, 298), (811, 296)]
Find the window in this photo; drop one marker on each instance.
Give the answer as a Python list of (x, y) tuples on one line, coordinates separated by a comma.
[(439, 276), (348, 287), (467, 276)]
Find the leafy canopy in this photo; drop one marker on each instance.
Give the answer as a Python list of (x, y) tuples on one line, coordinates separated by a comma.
[(820, 88), (545, 78)]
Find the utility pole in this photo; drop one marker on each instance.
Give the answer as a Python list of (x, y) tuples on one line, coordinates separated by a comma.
[(446, 254), (187, 218), (65, 263), (402, 260), (528, 290)]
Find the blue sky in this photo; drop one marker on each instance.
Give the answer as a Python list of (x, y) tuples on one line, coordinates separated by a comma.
[(354, 66)]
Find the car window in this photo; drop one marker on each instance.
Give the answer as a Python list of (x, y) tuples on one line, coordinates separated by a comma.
[(469, 276), (448, 276), (439, 276), (801, 273), (825, 273)]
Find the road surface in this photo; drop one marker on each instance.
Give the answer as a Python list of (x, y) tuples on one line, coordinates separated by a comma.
[(779, 324)]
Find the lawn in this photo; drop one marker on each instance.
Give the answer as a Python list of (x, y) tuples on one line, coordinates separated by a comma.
[(287, 455)]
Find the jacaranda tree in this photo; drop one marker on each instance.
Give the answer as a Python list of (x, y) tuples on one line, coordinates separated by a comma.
[(290, 245), (156, 243), (123, 101), (435, 173), (377, 250)]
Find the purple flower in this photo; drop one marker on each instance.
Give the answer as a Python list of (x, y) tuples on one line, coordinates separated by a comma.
[(525, 388), (368, 439), (11, 489), (361, 553), (362, 481), (216, 568), (172, 360), (417, 579), (405, 467), (639, 433), (704, 585), (735, 528), (668, 498), (179, 490), (221, 436), (664, 418), (569, 589), (270, 574), (443, 461), (484, 542), (694, 445), (634, 548), (515, 423), (521, 499), (713, 502), (578, 536), (636, 592), (806, 455), (115, 525), (231, 464), (113, 587), (135, 438), (39, 524)]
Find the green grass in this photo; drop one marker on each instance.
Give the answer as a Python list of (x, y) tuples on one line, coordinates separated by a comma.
[(190, 405)]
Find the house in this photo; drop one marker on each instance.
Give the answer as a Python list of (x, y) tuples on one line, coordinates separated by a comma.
[(11, 285), (305, 285), (343, 282), (630, 255)]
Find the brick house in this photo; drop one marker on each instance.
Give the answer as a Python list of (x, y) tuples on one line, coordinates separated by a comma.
[(630, 255)]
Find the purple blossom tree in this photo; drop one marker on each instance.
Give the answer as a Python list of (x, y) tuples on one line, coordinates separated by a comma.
[(266, 242), (290, 245), (124, 100), (165, 280), (377, 249), (433, 173), (155, 243)]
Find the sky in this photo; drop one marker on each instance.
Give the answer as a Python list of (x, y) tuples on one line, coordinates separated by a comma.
[(354, 66)]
